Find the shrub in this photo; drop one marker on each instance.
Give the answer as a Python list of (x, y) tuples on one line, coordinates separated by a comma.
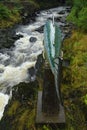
[(4, 12), (69, 2), (8, 17), (75, 49), (78, 15), (82, 21)]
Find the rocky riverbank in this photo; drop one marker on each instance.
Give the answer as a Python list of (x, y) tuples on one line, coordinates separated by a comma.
[(13, 12), (27, 14), (20, 112)]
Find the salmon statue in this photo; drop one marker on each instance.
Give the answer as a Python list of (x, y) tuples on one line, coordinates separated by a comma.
[(52, 45)]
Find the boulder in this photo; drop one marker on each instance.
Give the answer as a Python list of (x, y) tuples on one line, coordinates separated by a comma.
[(31, 71), (40, 29), (16, 37), (6, 37), (1, 70), (33, 39), (62, 12)]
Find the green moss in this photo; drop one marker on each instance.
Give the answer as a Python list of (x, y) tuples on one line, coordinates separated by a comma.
[(21, 110), (13, 109), (10, 14), (26, 119), (31, 120)]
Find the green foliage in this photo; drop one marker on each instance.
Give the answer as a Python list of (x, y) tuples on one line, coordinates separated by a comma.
[(8, 16), (76, 50), (4, 12), (74, 83), (13, 109), (69, 2), (11, 13), (20, 113), (78, 14), (45, 127), (82, 21), (72, 16), (84, 98), (48, 3), (80, 3)]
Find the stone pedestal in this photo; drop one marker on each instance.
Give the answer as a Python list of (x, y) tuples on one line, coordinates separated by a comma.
[(49, 109), (50, 101), (51, 118)]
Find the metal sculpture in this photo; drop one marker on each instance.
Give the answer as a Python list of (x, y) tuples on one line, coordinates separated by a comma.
[(50, 107), (52, 44)]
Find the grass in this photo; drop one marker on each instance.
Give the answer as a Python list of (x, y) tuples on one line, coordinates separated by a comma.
[(74, 83), (8, 17), (75, 49), (78, 14), (12, 14)]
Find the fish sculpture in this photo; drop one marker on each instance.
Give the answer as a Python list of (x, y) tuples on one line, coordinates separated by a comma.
[(52, 45)]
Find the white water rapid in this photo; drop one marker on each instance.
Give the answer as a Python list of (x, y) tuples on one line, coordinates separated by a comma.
[(15, 62)]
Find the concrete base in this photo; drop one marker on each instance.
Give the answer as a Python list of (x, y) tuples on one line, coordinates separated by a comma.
[(43, 118)]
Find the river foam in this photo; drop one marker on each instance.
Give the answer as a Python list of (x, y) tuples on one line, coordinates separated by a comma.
[(3, 102)]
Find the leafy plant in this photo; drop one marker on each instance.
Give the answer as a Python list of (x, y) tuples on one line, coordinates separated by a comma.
[(85, 99), (78, 14), (4, 12), (82, 21), (8, 17)]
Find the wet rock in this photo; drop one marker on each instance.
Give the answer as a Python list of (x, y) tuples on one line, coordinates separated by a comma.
[(6, 37), (28, 13), (39, 66), (67, 25), (33, 39), (37, 70), (40, 29), (8, 91), (60, 19), (24, 91), (62, 12), (66, 62), (40, 62), (23, 99), (68, 35), (28, 19), (50, 18), (66, 31), (16, 37), (68, 9), (6, 62), (1, 70), (31, 71)]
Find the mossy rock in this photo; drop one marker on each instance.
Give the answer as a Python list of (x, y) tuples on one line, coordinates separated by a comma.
[(20, 112)]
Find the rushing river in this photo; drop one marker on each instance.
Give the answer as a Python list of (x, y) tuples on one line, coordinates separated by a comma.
[(15, 62)]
